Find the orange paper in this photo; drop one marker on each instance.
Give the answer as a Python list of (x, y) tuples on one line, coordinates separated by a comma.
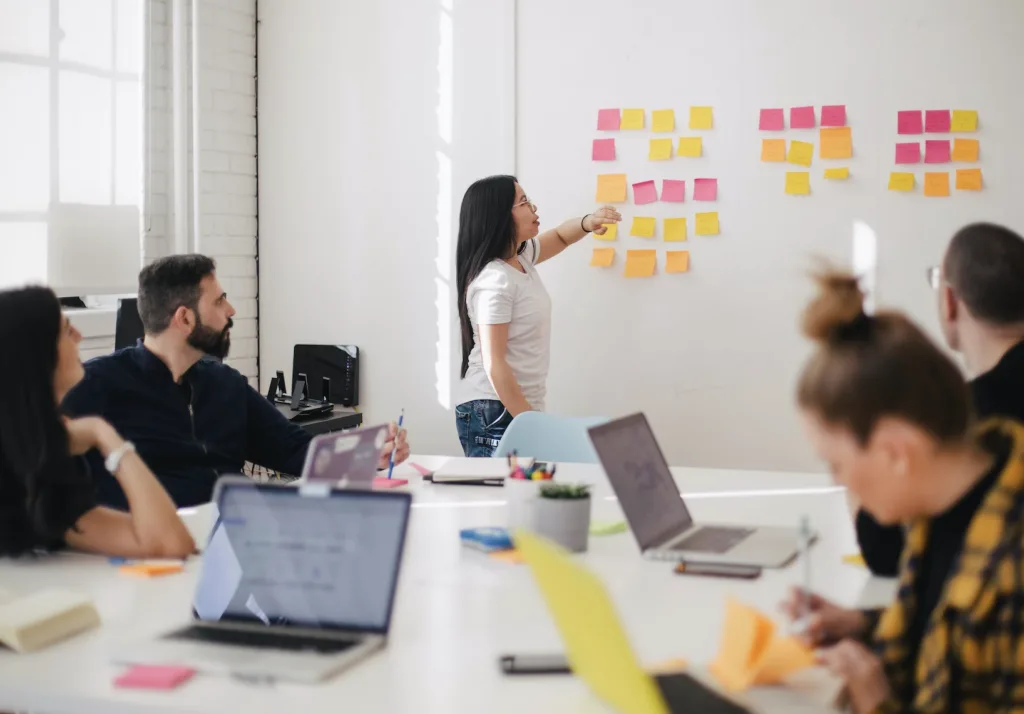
[(773, 149), (611, 188), (151, 570), (512, 556), (835, 143), (641, 263), (968, 179), (965, 150), (677, 261), (936, 183), (602, 257)]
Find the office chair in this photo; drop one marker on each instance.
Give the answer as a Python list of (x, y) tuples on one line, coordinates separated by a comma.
[(128, 328), (547, 437)]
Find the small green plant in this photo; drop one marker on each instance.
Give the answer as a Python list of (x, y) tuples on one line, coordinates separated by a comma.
[(567, 491)]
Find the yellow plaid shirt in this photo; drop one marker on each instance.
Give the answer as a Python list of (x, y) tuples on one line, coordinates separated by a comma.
[(971, 657)]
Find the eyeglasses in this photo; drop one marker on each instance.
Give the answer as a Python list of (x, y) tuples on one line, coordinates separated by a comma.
[(934, 277), (527, 202)]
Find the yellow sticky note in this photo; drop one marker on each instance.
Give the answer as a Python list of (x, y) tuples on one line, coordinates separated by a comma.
[(641, 263), (968, 179), (632, 119), (675, 229), (690, 146), (677, 261), (773, 149), (965, 150), (602, 258), (855, 559), (610, 234), (835, 143), (663, 120), (707, 224), (798, 183), (936, 183), (643, 227), (964, 120), (660, 150), (901, 181), (842, 174), (701, 118), (800, 152), (611, 188)]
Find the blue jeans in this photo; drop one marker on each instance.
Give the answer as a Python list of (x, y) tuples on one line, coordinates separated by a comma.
[(481, 424)]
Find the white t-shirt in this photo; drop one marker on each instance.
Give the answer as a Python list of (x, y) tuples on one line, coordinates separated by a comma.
[(501, 294)]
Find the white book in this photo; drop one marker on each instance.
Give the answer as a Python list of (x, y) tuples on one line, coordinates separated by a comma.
[(35, 621), (476, 470)]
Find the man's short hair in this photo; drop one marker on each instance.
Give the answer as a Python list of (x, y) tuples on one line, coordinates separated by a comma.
[(169, 283), (985, 267)]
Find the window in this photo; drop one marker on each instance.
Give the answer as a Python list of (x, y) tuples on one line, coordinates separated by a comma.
[(71, 173)]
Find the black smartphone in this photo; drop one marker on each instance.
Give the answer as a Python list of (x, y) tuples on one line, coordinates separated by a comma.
[(719, 570), (535, 664)]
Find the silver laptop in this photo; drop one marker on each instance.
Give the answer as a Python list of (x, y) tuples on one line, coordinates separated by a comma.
[(658, 516), (293, 587), (345, 459)]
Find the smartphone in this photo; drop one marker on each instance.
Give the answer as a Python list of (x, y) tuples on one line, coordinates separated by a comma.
[(535, 664), (720, 570)]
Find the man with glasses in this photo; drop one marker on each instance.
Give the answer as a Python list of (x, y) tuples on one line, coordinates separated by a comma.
[(980, 285)]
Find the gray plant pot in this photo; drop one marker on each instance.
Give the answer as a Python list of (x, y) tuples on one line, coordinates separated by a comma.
[(563, 520)]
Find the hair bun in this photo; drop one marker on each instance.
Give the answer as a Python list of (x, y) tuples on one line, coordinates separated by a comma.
[(838, 307)]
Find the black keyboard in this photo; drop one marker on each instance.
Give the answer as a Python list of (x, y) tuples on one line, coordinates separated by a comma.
[(263, 639), (713, 539)]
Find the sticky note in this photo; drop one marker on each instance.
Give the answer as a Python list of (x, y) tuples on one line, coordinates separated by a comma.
[(936, 183), (964, 120), (604, 150), (909, 122), (663, 120), (936, 121), (836, 143), (643, 227), (608, 120), (632, 119), (644, 192), (611, 188), (782, 657), (151, 570), (840, 174), (510, 556), (908, 153), (965, 150), (833, 115), (153, 677), (382, 484), (798, 183), (899, 181), (707, 224), (772, 120), (700, 118), (855, 559), (800, 152), (605, 528), (610, 234), (690, 146), (660, 149), (936, 151), (677, 261), (801, 118), (773, 149), (602, 258), (968, 179), (673, 190), (641, 263), (675, 229), (705, 189)]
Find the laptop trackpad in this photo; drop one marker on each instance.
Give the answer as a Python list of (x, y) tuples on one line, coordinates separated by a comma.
[(714, 539), (684, 694)]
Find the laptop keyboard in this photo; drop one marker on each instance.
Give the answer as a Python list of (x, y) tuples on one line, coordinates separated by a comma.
[(262, 639), (714, 539)]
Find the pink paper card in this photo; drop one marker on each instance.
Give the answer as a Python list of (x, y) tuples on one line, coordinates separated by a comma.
[(154, 677), (705, 189), (936, 121), (909, 122), (421, 470), (608, 120), (936, 151), (772, 120), (673, 190), (801, 118), (833, 115), (908, 153), (644, 192), (604, 150), (381, 483)]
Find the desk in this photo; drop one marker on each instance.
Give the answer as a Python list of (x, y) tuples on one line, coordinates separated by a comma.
[(455, 613), (337, 420)]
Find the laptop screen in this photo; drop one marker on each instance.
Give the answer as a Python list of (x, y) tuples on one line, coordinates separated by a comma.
[(281, 558), (641, 479)]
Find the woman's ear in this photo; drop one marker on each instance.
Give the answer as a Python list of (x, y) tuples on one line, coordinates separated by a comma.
[(950, 303)]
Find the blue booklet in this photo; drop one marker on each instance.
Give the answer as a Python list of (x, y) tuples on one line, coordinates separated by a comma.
[(487, 539)]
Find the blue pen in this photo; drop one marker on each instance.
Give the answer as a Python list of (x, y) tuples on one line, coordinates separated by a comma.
[(391, 461)]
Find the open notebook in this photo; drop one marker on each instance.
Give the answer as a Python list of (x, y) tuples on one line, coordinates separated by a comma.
[(35, 621), (476, 470)]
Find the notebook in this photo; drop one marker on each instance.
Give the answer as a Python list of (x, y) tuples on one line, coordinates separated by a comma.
[(35, 621), (476, 470)]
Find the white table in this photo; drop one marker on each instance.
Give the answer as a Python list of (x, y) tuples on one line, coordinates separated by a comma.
[(455, 613)]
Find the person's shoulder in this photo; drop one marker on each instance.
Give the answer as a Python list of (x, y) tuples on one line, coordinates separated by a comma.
[(117, 361), (494, 276), (209, 368)]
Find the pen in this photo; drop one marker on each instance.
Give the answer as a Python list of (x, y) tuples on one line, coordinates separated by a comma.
[(805, 554), (391, 460)]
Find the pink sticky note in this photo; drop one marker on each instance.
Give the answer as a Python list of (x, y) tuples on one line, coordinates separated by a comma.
[(154, 677), (909, 122), (383, 482), (801, 118), (705, 189), (936, 121), (833, 115), (604, 150), (421, 470), (772, 120), (908, 153), (644, 192), (608, 120), (936, 151), (673, 190)]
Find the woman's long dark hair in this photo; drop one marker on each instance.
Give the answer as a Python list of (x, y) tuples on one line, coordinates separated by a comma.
[(34, 456), (486, 232)]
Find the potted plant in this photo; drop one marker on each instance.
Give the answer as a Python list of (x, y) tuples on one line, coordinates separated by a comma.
[(562, 514)]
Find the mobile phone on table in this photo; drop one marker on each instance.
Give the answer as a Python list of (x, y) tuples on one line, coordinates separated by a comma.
[(535, 664), (719, 570)]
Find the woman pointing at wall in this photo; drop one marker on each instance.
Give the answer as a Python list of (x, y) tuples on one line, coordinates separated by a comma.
[(504, 310)]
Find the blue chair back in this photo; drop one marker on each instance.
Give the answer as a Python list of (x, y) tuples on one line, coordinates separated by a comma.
[(547, 437)]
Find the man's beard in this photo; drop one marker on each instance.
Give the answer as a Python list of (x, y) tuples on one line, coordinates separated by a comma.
[(215, 343)]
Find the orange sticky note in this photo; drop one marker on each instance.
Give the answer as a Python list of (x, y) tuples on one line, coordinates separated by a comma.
[(936, 183), (773, 149), (782, 657), (513, 556), (707, 224), (632, 119), (611, 188), (677, 261), (663, 120), (800, 152), (965, 150), (671, 666), (968, 179), (602, 258), (610, 234), (641, 263), (901, 181), (675, 229), (151, 570), (836, 143)]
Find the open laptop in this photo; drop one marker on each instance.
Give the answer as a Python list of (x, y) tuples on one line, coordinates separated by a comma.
[(658, 516), (293, 587), (345, 459)]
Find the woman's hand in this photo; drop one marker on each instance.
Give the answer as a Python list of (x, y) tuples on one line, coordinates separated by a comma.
[(826, 623), (595, 222), (862, 671), (396, 443), (87, 433)]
